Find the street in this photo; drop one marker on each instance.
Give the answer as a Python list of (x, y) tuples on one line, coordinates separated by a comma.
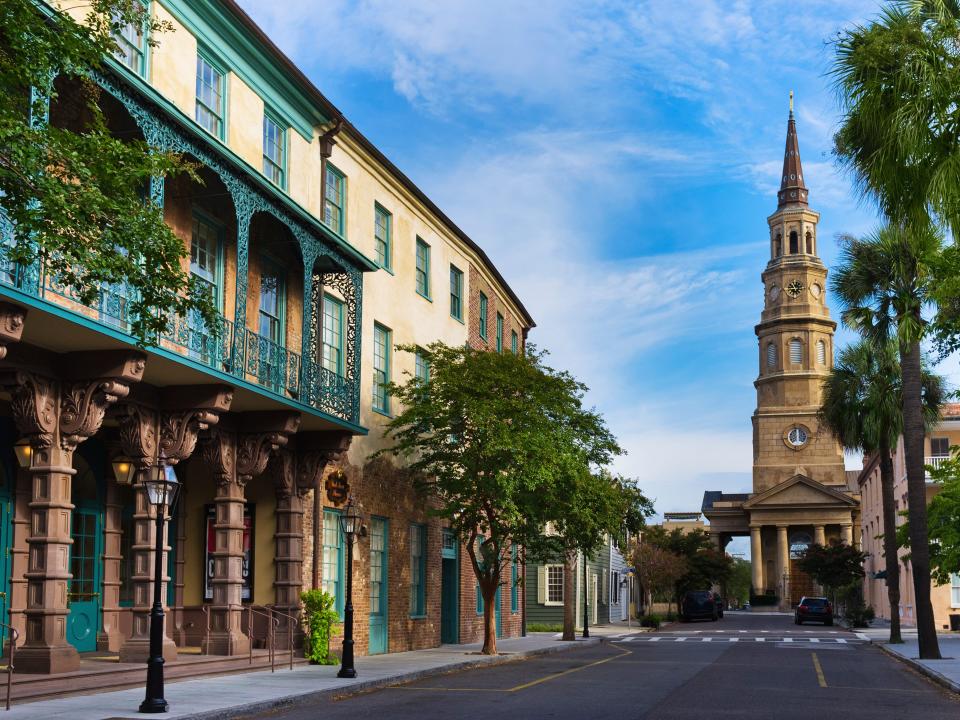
[(743, 666)]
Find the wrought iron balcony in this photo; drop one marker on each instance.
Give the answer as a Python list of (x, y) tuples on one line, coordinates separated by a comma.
[(262, 361)]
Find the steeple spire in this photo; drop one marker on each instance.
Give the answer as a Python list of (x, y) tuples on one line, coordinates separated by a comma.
[(793, 190)]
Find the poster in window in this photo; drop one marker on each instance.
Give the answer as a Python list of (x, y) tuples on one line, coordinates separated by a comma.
[(246, 592)]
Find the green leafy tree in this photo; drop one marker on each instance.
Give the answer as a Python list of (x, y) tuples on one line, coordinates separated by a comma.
[(885, 283), (863, 407), (943, 520), (739, 581), (73, 193), (658, 570), (838, 567), (706, 566), (489, 440)]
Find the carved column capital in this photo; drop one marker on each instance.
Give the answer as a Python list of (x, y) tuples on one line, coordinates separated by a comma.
[(138, 433), (315, 452), (35, 405), (220, 453), (11, 325), (260, 435)]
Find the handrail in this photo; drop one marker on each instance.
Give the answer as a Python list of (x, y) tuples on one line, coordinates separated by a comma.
[(273, 623), (291, 622), (14, 636)]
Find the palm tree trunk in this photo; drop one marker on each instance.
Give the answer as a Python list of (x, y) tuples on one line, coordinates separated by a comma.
[(569, 597), (913, 434), (891, 561)]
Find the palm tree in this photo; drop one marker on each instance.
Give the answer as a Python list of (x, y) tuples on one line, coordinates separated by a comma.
[(885, 282), (862, 406)]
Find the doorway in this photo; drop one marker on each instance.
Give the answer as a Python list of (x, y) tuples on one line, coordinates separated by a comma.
[(449, 590), (378, 586), (84, 599)]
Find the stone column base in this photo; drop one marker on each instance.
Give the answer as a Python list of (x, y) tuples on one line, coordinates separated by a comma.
[(47, 660), (137, 650), (227, 643)]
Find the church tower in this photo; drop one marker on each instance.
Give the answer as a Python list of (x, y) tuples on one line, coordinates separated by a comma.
[(795, 337)]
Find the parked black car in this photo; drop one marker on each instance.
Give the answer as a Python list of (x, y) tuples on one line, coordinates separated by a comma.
[(698, 605), (814, 608), (719, 601)]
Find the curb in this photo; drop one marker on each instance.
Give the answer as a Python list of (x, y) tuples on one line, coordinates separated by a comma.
[(927, 672), (290, 701)]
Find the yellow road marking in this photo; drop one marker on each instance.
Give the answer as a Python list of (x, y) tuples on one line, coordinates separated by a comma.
[(518, 687), (816, 666)]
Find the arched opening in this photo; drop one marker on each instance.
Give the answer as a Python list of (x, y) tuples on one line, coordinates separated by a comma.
[(778, 246), (771, 355), (821, 352), (274, 305), (809, 243), (794, 243), (796, 351)]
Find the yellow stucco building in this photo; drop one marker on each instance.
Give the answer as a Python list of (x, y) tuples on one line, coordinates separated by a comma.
[(801, 491)]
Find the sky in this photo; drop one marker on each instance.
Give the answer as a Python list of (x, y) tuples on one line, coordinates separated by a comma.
[(617, 160)]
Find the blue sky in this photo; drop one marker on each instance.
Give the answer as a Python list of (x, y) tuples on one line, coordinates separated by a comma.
[(617, 160)]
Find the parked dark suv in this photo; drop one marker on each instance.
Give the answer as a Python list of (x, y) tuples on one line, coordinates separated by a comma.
[(698, 605), (814, 608)]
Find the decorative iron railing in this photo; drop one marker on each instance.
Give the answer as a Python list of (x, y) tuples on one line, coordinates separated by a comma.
[(262, 361)]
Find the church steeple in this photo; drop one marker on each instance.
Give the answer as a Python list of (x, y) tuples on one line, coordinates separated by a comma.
[(792, 188)]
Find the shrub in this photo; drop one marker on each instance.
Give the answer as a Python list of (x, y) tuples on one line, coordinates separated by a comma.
[(651, 621), (321, 617), (544, 627), (859, 616)]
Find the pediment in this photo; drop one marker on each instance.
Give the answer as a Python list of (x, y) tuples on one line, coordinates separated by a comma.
[(799, 491)]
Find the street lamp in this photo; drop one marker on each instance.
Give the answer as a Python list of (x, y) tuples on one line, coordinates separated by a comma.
[(350, 522), (161, 486), (23, 450)]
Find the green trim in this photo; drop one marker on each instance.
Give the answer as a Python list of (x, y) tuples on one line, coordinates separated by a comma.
[(514, 342), (387, 265), (254, 174), (210, 58), (458, 273), (499, 333), (421, 243), (45, 306), (283, 127), (381, 404), (418, 603), (216, 26), (333, 171), (514, 579), (484, 309), (328, 298), (275, 265), (334, 514)]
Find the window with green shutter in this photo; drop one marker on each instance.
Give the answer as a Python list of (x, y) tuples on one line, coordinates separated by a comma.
[(423, 268), (332, 562), (334, 199), (456, 293), (499, 332), (514, 341), (210, 106), (382, 228), (483, 317), (381, 368), (418, 570)]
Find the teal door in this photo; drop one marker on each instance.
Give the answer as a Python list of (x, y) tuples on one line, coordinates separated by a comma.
[(496, 614), (83, 591), (449, 590), (378, 586)]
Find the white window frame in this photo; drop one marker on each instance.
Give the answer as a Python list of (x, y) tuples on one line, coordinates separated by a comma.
[(546, 595), (955, 590)]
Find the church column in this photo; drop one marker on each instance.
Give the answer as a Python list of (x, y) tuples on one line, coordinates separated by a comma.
[(756, 558), (846, 533), (783, 564), (819, 535)]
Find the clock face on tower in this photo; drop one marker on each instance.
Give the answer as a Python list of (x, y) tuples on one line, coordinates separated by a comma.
[(794, 288)]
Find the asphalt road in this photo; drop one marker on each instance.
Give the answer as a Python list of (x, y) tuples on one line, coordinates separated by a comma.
[(744, 666)]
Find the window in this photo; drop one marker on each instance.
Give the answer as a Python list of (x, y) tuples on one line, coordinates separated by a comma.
[(778, 246), (796, 351), (456, 293), (381, 369), (514, 580), (209, 110), (418, 570), (332, 570), (940, 447), (955, 590), (421, 366), (483, 315), (554, 585), (131, 42), (499, 332), (271, 303), (206, 267), (794, 243), (332, 335), (382, 221), (333, 199), (274, 151), (809, 243), (423, 268), (514, 342), (797, 436), (771, 355), (821, 352), (479, 600)]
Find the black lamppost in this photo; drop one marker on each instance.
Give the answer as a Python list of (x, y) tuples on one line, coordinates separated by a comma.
[(350, 522), (586, 595), (161, 486)]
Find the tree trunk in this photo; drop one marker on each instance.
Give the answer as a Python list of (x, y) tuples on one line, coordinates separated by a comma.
[(489, 593), (569, 597), (913, 434), (891, 560)]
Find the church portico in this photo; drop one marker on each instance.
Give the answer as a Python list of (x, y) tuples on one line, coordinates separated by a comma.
[(800, 494)]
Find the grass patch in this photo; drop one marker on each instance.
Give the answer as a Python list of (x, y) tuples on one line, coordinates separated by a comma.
[(544, 627)]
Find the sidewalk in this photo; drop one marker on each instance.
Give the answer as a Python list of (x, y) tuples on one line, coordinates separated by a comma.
[(945, 672), (229, 696)]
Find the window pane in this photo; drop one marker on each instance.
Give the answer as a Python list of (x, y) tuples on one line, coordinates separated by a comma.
[(333, 200), (514, 342), (332, 342), (483, 316), (555, 583), (423, 268), (381, 232), (332, 557), (273, 150), (209, 106), (381, 368), (421, 367), (499, 332), (456, 293), (131, 46)]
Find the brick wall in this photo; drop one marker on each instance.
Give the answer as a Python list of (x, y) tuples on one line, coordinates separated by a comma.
[(495, 305)]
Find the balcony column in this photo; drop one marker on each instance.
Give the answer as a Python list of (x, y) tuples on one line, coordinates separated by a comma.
[(244, 214), (312, 316), (756, 559), (144, 433), (56, 415)]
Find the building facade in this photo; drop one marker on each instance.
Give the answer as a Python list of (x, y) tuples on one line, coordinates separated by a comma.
[(944, 598), (800, 487), (321, 256)]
